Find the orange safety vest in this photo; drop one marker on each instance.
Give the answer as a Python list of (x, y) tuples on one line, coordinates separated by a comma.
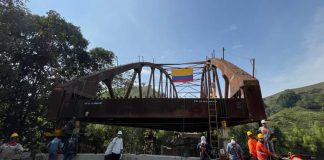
[(262, 152), (252, 147)]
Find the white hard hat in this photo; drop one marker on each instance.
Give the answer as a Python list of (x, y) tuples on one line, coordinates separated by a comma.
[(263, 121), (120, 132), (203, 139)]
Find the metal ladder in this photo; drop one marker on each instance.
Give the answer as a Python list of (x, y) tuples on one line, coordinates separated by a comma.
[(213, 126)]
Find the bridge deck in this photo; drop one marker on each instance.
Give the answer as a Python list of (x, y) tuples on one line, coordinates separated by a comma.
[(181, 114)]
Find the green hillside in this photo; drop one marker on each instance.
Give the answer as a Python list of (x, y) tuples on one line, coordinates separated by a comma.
[(298, 117), (290, 117), (135, 92), (309, 97)]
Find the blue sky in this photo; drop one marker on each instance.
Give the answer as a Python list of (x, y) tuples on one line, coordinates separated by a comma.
[(285, 37)]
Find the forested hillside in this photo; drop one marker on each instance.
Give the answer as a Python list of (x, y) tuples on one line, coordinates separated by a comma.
[(309, 97), (297, 116)]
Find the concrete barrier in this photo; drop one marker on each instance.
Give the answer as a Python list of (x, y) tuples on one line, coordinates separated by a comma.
[(92, 156)]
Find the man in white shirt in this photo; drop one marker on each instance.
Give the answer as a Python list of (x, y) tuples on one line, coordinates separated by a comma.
[(117, 148), (267, 136), (12, 149)]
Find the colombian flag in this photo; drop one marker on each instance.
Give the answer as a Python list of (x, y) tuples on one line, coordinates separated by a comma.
[(182, 75)]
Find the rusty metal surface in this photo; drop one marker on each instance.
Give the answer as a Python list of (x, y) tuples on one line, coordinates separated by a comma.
[(87, 86), (240, 80), (168, 114), (78, 97)]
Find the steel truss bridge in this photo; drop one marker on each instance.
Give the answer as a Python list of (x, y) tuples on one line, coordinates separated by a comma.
[(162, 104)]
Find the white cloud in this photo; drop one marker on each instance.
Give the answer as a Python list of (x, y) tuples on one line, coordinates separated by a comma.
[(233, 27), (146, 71), (308, 66), (311, 69), (230, 28)]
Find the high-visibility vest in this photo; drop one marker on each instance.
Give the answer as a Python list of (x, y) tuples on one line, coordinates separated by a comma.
[(262, 152), (252, 147)]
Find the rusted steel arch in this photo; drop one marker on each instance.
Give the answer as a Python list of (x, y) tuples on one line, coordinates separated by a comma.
[(233, 75), (77, 98), (238, 84), (87, 86)]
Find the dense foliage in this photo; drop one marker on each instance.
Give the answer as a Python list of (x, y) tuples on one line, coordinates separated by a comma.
[(288, 98), (39, 52), (36, 54), (299, 116)]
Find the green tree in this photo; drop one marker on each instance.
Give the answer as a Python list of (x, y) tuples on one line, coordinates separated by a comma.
[(305, 141), (312, 101), (288, 99), (36, 54)]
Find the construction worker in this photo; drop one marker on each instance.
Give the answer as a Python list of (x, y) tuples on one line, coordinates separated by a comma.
[(204, 149), (252, 145), (69, 127), (55, 145), (234, 150), (262, 152), (115, 148), (12, 149), (69, 149), (267, 134)]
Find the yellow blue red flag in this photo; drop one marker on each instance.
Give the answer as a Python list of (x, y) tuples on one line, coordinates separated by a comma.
[(182, 75)]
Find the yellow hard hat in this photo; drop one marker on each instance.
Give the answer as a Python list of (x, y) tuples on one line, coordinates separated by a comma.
[(57, 132), (13, 135), (249, 133), (260, 136)]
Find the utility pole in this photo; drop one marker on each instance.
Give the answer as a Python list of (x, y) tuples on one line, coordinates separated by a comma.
[(253, 64), (223, 53)]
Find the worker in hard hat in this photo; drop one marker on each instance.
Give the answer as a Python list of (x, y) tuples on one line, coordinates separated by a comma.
[(252, 145), (69, 127), (262, 151), (55, 145), (204, 149), (234, 150), (115, 148), (12, 149), (267, 136)]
